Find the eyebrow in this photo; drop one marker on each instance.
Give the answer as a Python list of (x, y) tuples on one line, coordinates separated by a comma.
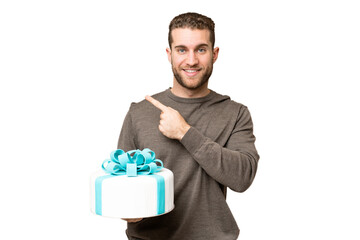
[(198, 46)]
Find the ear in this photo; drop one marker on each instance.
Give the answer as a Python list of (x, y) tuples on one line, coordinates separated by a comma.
[(215, 54), (168, 51)]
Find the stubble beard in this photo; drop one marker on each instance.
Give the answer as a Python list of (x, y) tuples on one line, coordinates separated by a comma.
[(204, 79)]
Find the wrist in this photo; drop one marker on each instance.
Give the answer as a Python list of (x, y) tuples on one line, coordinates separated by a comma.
[(183, 131)]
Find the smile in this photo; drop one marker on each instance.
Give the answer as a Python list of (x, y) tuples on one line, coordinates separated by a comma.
[(191, 72)]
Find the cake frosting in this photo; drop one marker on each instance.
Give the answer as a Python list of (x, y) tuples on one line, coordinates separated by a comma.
[(132, 184)]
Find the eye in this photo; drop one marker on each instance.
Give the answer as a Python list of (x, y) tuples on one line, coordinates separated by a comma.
[(181, 50), (202, 50)]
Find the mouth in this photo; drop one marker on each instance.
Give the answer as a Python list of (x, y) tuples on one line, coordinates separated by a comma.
[(191, 72)]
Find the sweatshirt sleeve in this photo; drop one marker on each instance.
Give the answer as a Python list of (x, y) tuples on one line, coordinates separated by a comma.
[(233, 165), (127, 138)]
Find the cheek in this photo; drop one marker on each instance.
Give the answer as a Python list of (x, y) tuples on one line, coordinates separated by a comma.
[(205, 62), (210, 60), (176, 62)]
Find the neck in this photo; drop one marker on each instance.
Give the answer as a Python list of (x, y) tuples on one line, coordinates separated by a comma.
[(180, 91)]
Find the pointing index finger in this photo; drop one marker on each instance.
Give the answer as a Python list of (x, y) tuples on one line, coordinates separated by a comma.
[(156, 103)]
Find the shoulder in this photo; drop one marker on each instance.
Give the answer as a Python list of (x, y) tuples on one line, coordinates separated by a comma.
[(233, 108), (227, 102)]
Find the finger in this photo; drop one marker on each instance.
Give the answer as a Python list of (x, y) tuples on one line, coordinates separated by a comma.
[(156, 103), (132, 220)]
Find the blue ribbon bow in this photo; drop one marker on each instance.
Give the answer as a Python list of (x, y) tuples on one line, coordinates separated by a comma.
[(132, 163)]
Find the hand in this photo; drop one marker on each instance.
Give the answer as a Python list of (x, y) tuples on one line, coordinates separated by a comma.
[(172, 124), (132, 220)]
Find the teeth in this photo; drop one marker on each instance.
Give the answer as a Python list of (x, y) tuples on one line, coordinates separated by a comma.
[(190, 71)]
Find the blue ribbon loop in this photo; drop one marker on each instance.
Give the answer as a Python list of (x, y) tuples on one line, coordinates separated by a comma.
[(131, 163)]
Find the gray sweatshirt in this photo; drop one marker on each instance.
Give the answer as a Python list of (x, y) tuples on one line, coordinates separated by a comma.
[(217, 152)]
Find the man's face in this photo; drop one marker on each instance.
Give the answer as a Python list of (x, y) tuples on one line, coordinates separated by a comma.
[(191, 57)]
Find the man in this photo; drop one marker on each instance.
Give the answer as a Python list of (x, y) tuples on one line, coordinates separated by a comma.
[(205, 138)]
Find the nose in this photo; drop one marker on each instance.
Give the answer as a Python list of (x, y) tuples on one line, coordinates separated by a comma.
[(192, 59)]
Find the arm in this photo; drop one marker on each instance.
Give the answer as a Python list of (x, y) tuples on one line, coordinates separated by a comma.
[(235, 164)]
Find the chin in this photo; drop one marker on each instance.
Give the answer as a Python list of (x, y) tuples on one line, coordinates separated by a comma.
[(191, 83)]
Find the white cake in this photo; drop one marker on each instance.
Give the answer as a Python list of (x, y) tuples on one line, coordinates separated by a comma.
[(132, 197)]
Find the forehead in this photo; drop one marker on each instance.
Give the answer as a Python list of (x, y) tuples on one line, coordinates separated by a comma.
[(190, 37)]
